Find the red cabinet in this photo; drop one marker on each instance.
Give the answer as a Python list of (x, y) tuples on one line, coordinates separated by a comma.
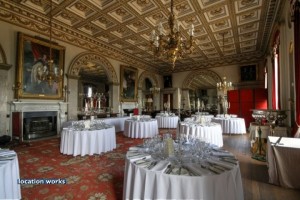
[(242, 102)]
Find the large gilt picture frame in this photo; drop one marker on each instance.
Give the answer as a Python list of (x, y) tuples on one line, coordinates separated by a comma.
[(128, 84), (32, 60)]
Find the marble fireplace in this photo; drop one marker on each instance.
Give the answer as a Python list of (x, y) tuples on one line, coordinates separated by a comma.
[(37, 119)]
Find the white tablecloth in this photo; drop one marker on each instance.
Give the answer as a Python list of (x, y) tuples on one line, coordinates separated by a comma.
[(212, 132), (9, 175), (141, 183), (283, 161), (141, 128), (231, 125), (224, 115), (87, 142), (167, 121), (118, 122)]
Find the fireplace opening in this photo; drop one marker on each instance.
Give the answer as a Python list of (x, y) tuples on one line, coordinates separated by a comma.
[(39, 124)]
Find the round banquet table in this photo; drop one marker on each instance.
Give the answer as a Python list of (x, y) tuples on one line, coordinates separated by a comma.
[(145, 128), (212, 132), (231, 125), (118, 122), (9, 176), (87, 142), (167, 121), (144, 183)]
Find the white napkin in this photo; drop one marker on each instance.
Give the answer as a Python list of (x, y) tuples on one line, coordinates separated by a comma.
[(87, 124), (161, 166), (227, 165), (183, 171), (196, 169), (135, 148), (220, 154), (136, 157), (143, 162)]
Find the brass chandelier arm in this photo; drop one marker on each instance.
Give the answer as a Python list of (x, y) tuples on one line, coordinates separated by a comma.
[(171, 46)]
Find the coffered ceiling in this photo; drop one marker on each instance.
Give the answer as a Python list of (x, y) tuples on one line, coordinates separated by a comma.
[(121, 29)]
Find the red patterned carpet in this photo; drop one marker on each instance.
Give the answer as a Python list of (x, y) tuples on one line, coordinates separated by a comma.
[(88, 177)]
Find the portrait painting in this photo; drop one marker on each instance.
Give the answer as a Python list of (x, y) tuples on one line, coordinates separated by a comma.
[(168, 81), (248, 73), (33, 68), (128, 86)]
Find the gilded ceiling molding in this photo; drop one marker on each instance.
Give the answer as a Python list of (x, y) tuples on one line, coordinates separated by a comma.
[(84, 58), (3, 63), (38, 24), (207, 73), (148, 75)]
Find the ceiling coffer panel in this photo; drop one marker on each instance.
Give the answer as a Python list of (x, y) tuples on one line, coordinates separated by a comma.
[(124, 28)]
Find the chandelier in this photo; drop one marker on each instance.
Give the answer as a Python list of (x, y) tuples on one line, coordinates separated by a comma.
[(51, 74), (154, 90), (223, 86), (172, 46)]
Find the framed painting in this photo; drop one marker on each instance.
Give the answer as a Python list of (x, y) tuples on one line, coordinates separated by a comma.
[(168, 81), (128, 85), (249, 73), (33, 66)]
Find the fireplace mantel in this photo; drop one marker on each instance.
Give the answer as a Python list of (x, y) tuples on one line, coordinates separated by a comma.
[(21, 107)]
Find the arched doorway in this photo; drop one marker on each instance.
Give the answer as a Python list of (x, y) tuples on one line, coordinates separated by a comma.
[(90, 68), (148, 101)]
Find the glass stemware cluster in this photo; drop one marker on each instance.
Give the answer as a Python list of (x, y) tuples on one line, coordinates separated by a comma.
[(179, 150), (89, 125)]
